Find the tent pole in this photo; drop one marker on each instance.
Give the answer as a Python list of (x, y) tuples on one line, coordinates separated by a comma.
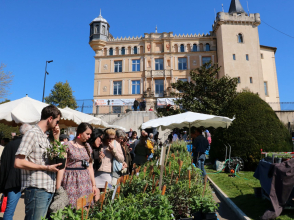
[(190, 137)]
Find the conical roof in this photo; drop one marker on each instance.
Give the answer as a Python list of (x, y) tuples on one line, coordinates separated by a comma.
[(236, 7)]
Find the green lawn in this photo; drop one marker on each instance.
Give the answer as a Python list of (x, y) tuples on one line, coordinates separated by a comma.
[(241, 192)]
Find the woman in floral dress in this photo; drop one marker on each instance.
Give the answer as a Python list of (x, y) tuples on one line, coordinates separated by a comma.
[(78, 176)]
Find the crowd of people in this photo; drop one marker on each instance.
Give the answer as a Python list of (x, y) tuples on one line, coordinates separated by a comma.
[(93, 158)]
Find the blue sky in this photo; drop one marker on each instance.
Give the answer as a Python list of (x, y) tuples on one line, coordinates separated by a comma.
[(33, 31)]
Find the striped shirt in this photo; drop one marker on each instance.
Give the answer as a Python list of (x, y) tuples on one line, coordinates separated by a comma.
[(34, 146)]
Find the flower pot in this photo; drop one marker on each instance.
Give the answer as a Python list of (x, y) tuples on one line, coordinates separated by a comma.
[(210, 215), (278, 160), (197, 215), (268, 159), (58, 160), (257, 192)]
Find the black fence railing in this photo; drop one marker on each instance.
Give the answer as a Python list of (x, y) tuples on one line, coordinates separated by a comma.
[(86, 106)]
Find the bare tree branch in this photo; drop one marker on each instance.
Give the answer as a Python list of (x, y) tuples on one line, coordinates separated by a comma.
[(5, 81)]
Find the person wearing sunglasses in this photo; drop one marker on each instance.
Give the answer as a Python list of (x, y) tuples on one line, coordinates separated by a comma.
[(111, 149)]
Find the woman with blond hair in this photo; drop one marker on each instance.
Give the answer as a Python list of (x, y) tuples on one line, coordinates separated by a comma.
[(111, 149)]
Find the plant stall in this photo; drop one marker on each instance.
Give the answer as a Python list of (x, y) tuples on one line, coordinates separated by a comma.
[(169, 187)]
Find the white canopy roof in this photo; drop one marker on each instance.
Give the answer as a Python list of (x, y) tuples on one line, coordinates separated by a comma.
[(80, 117), (188, 119), (28, 110)]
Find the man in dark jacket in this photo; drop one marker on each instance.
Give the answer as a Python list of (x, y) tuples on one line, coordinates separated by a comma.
[(10, 182), (200, 145), (136, 104)]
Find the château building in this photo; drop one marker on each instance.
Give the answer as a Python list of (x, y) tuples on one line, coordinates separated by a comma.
[(131, 68)]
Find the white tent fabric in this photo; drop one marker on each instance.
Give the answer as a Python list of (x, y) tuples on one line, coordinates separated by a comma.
[(80, 117), (28, 110), (188, 119)]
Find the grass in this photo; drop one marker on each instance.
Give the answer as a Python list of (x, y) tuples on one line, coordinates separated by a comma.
[(241, 191)]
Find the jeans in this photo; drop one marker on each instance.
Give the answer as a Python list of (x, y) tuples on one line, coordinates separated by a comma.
[(37, 202), (200, 163), (13, 196), (150, 156)]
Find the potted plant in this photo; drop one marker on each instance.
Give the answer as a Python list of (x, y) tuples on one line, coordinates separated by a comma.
[(269, 158), (278, 159), (195, 207), (56, 154), (286, 157), (209, 208)]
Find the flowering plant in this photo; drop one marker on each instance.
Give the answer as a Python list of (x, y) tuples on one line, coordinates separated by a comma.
[(58, 150)]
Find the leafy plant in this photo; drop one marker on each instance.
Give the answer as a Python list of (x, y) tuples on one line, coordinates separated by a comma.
[(58, 150), (209, 205)]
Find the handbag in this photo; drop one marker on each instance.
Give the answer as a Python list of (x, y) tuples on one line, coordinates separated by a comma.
[(116, 166), (3, 203)]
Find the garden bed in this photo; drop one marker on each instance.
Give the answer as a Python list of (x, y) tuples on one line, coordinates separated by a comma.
[(138, 196)]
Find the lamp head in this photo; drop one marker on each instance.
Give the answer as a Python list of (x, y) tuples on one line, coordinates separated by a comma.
[(50, 61)]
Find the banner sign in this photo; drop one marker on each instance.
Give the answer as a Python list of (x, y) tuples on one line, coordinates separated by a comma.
[(166, 101), (114, 102)]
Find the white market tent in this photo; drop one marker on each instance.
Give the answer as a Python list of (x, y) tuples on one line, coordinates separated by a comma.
[(188, 119), (96, 122), (28, 110)]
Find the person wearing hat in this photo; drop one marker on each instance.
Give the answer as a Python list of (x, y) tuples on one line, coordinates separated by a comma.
[(63, 138)]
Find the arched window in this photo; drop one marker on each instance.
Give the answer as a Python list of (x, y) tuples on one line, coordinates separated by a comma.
[(110, 51), (182, 48), (194, 48), (103, 29), (207, 47), (97, 29), (135, 50), (123, 51), (240, 38)]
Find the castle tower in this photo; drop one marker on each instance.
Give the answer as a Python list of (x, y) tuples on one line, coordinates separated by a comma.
[(238, 47), (99, 33)]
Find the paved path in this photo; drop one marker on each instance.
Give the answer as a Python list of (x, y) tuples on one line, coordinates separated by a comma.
[(224, 212)]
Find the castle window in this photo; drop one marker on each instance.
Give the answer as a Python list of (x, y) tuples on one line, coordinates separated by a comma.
[(247, 57), (135, 87), (239, 79), (261, 55), (135, 50), (234, 56), (135, 65), (110, 51), (207, 47), (117, 87), (123, 51), (182, 48), (158, 64), (194, 48), (103, 29), (265, 89), (97, 29), (117, 66), (116, 109), (251, 80), (240, 38), (206, 60), (182, 62)]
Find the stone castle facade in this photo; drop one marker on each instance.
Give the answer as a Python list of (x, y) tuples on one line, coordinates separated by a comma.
[(144, 67)]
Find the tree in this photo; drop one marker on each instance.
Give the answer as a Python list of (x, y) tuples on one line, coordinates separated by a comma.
[(5, 81), (205, 93), (256, 127), (62, 95)]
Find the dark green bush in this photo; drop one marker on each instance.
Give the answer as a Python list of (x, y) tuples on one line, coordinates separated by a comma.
[(256, 127)]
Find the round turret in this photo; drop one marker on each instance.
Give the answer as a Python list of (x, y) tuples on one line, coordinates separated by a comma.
[(99, 29)]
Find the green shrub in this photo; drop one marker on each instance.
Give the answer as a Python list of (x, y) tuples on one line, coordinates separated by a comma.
[(256, 127)]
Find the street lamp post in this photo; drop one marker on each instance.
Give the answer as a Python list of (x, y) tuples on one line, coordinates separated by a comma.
[(46, 73)]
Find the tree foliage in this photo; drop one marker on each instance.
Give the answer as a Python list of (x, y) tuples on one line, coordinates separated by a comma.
[(256, 127), (168, 111), (5, 81), (206, 93), (62, 95)]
